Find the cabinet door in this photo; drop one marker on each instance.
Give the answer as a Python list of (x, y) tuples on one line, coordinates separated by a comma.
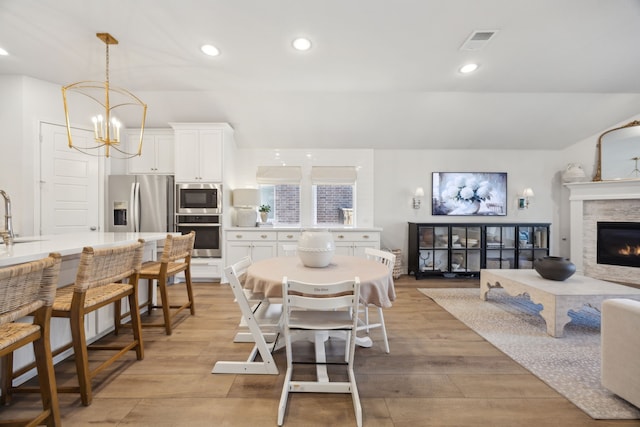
[(187, 156), (263, 250), (359, 248), (146, 162), (210, 156), (344, 248), (165, 154), (236, 251)]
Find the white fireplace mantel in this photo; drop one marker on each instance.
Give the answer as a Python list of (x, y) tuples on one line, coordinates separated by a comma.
[(581, 192)]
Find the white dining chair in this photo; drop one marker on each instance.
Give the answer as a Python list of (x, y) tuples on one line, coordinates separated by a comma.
[(289, 249), (388, 259), (261, 318), (318, 307)]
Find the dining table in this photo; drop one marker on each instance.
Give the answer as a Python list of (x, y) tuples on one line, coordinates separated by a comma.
[(376, 287), (376, 281)]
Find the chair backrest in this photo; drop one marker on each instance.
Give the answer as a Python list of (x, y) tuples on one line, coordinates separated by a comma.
[(386, 258), (26, 287), (99, 267), (235, 272), (178, 247), (320, 296)]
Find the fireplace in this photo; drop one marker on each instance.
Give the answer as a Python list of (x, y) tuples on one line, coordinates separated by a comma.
[(618, 243)]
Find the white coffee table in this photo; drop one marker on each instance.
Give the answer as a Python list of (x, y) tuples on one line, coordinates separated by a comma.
[(556, 297)]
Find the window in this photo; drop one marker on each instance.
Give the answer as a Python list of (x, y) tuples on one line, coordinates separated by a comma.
[(284, 200), (280, 189), (333, 204), (333, 194)]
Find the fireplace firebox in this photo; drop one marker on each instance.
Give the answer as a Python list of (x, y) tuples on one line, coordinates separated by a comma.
[(618, 243)]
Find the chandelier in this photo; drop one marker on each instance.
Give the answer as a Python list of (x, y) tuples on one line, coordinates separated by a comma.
[(83, 96)]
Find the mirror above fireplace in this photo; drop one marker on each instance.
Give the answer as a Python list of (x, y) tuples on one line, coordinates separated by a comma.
[(619, 153)]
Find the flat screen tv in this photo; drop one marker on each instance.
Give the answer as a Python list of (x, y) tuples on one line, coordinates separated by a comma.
[(469, 193)]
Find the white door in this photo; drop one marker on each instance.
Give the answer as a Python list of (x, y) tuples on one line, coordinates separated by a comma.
[(69, 190)]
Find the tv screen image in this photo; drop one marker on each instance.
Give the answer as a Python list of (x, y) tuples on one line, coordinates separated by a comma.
[(469, 193)]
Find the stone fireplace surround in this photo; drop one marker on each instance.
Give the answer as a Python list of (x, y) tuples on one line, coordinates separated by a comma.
[(590, 202)]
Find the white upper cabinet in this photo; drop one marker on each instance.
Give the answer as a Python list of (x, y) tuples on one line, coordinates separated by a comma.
[(199, 151), (157, 152)]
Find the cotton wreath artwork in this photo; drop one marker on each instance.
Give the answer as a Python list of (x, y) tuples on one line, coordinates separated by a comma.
[(463, 189)]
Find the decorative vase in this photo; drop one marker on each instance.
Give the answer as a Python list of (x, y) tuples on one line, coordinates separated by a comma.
[(263, 216), (554, 268), (316, 248), (466, 208), (573, 173)]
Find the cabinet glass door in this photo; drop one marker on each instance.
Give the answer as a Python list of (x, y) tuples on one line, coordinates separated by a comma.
[(500, 243), (433, 242)]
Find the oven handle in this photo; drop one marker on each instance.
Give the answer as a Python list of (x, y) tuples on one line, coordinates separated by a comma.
[(183, 224)]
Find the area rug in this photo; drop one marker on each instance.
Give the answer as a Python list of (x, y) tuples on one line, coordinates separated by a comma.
[(570, 365)]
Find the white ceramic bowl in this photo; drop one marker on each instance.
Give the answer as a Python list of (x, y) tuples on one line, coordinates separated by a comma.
[(315, 257), (316, 248)]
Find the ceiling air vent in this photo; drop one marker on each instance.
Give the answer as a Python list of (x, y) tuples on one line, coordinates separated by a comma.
[(478, 39)]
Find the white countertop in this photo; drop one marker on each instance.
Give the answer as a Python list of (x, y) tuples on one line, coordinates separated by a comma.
[(32, 248)]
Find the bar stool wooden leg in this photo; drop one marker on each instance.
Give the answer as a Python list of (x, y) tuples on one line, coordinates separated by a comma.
[(166, 309), (46, 374), (192, 306), (81, 355), (136, 325)]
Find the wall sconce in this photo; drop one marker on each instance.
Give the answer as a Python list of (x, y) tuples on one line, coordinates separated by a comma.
[(523, 202), (416, 197)]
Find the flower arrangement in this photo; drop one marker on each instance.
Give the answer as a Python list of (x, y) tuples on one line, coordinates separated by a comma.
[(264, 208), (464, 189)]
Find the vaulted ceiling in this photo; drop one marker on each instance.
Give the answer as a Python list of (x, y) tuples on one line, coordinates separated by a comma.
[(380, 73)]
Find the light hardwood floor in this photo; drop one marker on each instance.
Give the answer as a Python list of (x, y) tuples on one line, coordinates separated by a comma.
[(439, 373)]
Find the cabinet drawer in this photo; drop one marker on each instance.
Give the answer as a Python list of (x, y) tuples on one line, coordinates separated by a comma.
[(356, 236), (288, 236), (252, 235)]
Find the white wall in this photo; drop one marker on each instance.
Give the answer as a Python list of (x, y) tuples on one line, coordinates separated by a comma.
[(386, 178), (248, 160), (399, 172)]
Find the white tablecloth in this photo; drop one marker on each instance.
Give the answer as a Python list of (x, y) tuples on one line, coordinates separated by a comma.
[(376, 283)]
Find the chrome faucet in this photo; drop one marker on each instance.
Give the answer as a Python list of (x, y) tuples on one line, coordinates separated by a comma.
[(7, 233)]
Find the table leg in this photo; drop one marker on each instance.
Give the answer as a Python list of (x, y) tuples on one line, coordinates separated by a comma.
[(556, 317)]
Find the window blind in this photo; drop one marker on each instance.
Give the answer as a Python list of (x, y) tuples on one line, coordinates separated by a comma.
[(333, 175), (279, 175)]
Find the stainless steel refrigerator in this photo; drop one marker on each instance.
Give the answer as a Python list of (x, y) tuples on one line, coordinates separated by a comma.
[(140, 203)]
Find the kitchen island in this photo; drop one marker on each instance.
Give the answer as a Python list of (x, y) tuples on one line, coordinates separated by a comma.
[(98, 323), (27, 249)]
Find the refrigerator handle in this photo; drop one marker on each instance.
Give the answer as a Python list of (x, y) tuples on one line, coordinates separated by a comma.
[(138, 215), (134, 205)]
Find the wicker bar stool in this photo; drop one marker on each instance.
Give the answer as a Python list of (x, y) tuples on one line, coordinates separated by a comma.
[(99, 282), (29, 289), (176, 258)]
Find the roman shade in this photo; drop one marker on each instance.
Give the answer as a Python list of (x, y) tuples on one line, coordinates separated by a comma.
[(333, 175), (279, 175)]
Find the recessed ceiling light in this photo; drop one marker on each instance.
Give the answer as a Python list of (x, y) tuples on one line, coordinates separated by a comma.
[(302, 44), (468, 68), (210, 50), (3, 52)]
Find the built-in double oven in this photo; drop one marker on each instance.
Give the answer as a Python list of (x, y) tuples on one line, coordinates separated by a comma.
[(199, 209)]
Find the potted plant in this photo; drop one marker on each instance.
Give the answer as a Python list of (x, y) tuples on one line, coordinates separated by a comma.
[(264, 212)]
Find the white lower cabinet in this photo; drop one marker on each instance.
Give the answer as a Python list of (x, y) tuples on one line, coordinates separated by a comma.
[(255, 244), (261, 244), (353, 243)]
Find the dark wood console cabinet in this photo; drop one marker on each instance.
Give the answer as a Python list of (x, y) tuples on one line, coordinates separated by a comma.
[(463, 249)]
